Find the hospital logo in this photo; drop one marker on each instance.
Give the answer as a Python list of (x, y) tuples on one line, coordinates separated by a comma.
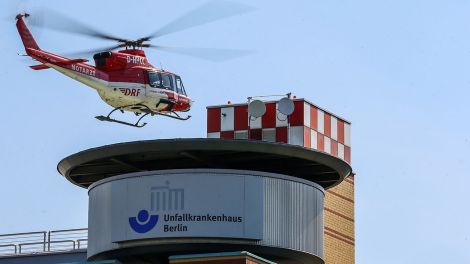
[(144, 222)]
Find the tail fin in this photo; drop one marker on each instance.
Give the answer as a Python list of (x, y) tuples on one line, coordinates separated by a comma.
[(25, 34)]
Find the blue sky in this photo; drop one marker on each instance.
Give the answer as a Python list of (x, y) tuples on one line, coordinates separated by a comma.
[(398, 70)]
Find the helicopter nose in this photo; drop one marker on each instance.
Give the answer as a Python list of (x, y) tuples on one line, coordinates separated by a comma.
[(190, 104)]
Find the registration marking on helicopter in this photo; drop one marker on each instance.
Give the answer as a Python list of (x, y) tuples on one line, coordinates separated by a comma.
[(135, 60), (83, 70)]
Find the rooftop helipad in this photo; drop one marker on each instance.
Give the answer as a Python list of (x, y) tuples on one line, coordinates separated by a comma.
[(89, 166)]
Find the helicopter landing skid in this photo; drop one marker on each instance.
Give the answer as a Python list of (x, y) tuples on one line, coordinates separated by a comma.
[(109, 119), (174, 115), (171, 114)]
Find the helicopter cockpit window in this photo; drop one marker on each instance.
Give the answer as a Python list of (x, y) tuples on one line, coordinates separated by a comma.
[(154, 79), (179, 85), (167, 82)]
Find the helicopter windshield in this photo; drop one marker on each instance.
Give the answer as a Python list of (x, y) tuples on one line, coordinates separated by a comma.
[(161, 80), (179, 85), (166, 81)]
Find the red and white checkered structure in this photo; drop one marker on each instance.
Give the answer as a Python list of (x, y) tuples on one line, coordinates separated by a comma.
[(310, 126)]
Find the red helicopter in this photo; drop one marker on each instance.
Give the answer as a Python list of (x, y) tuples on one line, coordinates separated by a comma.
[(125, 79)]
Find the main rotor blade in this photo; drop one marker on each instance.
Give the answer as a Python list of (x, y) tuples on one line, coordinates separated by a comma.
[(211, 54), (209, 12), (57, 21), (93, 51)]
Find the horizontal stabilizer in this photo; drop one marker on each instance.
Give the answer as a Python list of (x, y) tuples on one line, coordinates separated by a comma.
[(39, 67)]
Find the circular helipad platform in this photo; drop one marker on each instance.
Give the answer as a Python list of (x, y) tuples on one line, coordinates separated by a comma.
[(89, 166)]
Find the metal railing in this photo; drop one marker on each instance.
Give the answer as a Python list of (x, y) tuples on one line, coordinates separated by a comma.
[(43, 241)]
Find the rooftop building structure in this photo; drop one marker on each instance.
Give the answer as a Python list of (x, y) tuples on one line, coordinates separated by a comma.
[(264, 187)]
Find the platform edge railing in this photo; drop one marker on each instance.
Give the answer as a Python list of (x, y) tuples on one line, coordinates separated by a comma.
[(18, 242)]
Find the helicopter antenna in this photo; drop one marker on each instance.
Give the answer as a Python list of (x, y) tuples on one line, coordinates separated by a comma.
[(161, 66)]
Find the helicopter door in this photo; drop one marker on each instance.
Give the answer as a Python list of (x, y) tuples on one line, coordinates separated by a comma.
[(169, 84), (162, 86), (155, 82)]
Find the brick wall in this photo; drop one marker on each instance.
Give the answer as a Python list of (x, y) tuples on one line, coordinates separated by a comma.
[(339, 223)]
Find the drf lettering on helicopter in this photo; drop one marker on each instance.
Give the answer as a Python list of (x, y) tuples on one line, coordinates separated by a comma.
[(83, 70), (130, 91), (135, 60)]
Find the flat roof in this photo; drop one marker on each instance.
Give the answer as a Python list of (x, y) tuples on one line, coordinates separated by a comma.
[(88, 166)]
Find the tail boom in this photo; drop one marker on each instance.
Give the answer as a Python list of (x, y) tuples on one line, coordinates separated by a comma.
[(25, 34), (74, 68)]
